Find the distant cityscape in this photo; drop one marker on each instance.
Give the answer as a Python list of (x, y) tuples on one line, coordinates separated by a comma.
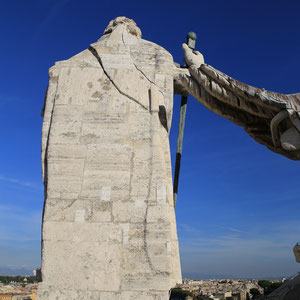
[(18, 287), (25, 288), (217, 289)]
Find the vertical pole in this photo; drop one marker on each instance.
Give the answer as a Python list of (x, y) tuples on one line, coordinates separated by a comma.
[(179, 146), (191, 41)]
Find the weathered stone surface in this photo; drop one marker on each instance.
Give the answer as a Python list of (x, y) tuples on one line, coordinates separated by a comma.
[(296, 251), (109, 229), (96, 295), (270, 118)]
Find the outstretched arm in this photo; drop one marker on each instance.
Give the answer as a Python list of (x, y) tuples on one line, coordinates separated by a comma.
[(270, 118)]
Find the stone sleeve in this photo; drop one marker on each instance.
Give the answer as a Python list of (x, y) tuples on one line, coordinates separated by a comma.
[(270, 118)]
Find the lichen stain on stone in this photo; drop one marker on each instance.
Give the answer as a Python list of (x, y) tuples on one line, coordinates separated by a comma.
[(137, 234), (70, 134), (106, 81), (104, 206), (97, 94), (89, 137), (90, 85), (106, 87)]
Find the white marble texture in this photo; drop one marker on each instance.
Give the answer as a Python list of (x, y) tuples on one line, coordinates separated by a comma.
[(109, 229)]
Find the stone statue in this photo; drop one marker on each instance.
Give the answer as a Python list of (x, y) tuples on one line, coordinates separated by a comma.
[(109, 229), (270, 118)]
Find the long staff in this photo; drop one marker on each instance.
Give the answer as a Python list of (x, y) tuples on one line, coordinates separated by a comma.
[(191, 42)]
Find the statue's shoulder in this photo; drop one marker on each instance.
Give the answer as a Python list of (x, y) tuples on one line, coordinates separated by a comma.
[(83, 59)]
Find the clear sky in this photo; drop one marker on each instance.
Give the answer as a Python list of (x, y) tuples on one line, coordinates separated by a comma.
[(238, 211)]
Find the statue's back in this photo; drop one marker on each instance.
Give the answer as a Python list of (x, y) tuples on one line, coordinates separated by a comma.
[(109, 229)]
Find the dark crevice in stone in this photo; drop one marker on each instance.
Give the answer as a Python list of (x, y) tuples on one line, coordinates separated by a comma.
[(162, 114)]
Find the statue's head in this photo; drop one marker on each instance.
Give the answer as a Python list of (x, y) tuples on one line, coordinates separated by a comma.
[(130, 26)]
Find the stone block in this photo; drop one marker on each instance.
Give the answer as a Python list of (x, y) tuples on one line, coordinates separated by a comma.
[(86, 266)]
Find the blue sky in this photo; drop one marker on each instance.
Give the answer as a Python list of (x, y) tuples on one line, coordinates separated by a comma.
[(238, 203)]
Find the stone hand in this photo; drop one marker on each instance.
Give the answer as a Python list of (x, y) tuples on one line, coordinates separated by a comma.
[(192, 58)]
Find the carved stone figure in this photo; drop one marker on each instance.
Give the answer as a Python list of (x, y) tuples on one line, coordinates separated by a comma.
[(109, 229), (270, 118)]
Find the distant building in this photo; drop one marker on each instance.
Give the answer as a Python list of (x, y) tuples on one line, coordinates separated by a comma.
[(6, 296), (222, 295), (239, 296)]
